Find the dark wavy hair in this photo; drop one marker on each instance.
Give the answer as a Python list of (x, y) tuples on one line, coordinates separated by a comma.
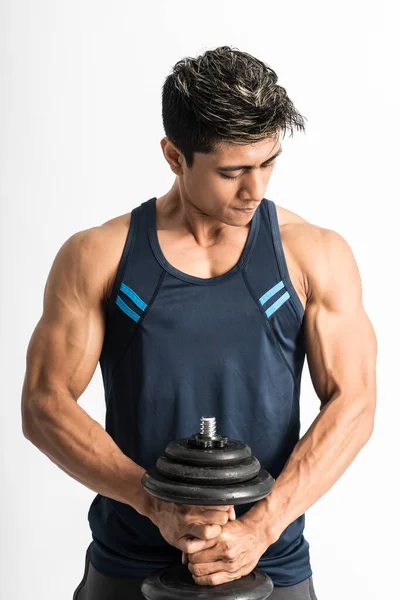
[(224, 95)]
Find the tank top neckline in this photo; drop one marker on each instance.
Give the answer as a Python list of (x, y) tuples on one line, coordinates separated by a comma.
[(244, 257)]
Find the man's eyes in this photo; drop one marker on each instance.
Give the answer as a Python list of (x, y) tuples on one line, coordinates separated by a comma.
[(237, 176), (229, 177)]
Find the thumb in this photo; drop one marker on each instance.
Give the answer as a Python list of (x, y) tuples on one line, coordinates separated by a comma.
[(197, 545), (232, 514)]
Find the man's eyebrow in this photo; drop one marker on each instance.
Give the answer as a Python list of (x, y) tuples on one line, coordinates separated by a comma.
[(237, 167)]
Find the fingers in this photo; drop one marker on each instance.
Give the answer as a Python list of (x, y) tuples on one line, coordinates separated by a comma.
[(190, 545), (203, 531), (203, 524), (217, 578), (203, 569), (218, 517), (229, 509), (231, 513), (203, 508), (221, 508), (215, 517), (201, 516)]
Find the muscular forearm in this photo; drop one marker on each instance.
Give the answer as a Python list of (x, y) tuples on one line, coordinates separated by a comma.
[(81, 447), (318, 460)]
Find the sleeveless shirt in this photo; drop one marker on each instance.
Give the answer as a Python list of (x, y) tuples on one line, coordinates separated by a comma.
[(177, 347)]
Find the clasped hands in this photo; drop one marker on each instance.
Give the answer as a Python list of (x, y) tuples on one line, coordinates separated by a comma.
[(216, 546)]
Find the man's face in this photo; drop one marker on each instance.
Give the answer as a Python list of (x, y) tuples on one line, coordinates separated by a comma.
[(207, 186)]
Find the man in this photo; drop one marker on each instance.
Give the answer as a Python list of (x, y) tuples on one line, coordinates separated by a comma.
[(204, 301)]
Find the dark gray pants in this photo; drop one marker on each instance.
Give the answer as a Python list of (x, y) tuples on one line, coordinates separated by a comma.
[(96, 586)]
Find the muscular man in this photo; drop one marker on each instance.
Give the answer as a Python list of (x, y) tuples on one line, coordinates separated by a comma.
[(205, 300)]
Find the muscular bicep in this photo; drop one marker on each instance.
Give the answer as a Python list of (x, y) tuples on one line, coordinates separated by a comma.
[(66, 344), (340, 340)]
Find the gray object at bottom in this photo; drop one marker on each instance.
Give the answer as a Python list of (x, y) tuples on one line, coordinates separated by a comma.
[(177, 582)]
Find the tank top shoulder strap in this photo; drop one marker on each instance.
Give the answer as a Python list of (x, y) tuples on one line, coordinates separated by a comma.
[(137, 279), (267, 270), (126, 252), (283, 269), (137, 265)]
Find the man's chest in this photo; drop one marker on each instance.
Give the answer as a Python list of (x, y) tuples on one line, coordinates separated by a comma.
[(194, 260), (219, 258)]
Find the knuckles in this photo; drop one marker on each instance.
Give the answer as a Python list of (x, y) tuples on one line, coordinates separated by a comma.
[(196, 570), (186, 518), (209, 533), (214, 579), (230, 554)]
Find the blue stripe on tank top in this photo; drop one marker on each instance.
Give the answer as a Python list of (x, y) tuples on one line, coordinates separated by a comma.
[(131, 313), (133, 296), (270, 311), (271, 292)]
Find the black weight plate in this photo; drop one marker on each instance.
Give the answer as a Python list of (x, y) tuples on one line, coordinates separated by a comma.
[(228, 474), (234, 452), (177, 582), (208, 495)]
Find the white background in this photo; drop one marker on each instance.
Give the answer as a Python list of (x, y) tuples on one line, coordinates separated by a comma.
[(80, 125)]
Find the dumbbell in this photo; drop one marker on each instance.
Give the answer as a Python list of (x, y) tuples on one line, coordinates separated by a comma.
[(213, 470)]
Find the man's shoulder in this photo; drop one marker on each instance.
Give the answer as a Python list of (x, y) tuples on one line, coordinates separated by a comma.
[(288, 217), (96, 252), (305, 237), (315, 251), (105, 240)]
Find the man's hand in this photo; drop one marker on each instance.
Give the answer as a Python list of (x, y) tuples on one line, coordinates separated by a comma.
[(234, 554), (190, 528)]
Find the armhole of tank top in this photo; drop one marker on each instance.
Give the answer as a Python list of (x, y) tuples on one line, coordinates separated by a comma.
[(125, 256), (280, 256)]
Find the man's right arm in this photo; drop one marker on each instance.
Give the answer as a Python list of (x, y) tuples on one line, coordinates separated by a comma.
[(62, 356)]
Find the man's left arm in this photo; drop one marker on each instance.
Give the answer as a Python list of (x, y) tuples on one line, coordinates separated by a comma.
[(341, 350)]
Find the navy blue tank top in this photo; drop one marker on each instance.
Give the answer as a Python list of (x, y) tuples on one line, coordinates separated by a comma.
[(177, 347)]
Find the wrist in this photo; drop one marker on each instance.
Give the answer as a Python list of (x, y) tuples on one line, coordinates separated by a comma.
[(151, 507), (268, 526), (143, 502)]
